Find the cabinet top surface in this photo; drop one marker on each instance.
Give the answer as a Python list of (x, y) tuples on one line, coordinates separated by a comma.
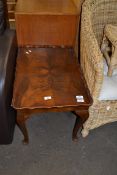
[(46, 7)]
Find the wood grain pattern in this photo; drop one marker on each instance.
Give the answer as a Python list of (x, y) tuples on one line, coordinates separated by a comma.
[(47, 72)]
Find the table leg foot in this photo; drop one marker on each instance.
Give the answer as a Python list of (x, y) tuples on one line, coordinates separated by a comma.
[(81, 117), (74, 138), (22, 126)]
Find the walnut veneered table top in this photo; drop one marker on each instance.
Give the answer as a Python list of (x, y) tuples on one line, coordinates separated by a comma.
[(48, 77)]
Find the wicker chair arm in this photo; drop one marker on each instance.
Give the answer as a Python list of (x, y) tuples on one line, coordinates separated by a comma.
[(91, 57)]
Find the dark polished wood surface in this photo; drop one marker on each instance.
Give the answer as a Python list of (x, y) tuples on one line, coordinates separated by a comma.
[(49, 79), (48, 72)]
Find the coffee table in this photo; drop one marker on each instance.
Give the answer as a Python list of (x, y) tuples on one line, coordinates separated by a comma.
[(49, 79)]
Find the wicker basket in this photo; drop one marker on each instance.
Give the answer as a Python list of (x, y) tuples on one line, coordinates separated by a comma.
[(95, 15)]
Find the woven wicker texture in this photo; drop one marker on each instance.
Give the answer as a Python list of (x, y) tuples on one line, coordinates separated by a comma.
[(95, 15), (110, 34)]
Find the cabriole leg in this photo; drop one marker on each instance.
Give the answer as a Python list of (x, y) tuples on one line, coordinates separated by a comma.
[(22, 126), (81, 117)]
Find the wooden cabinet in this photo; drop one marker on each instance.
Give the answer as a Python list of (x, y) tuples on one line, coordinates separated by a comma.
[(48, 78), (46, 23)]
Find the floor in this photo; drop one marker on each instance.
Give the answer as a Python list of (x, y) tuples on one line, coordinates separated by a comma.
[(52, 152)]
